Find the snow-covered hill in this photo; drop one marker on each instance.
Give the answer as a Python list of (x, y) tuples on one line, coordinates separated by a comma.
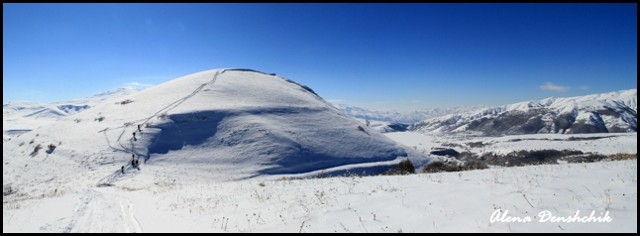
[(221, 124), (598, 113)]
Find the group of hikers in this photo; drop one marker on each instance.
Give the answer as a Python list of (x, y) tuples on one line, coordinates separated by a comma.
[(134, 162), (134, 133)]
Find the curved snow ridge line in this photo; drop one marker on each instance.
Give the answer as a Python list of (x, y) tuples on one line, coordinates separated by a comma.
[(247, 70)]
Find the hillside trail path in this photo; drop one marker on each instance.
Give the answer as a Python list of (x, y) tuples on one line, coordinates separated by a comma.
[(103, 209), (129, 146)]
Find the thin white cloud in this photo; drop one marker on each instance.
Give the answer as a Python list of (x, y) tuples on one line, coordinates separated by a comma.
[(552, 87), (584, 87), (136, 85)]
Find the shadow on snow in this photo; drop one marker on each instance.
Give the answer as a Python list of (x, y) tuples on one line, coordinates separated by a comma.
[(278, 153)]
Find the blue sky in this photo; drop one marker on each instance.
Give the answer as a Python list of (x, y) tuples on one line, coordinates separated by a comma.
[(379, 56)]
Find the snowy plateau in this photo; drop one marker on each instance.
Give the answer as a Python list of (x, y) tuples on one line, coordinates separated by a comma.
[(236, 150)]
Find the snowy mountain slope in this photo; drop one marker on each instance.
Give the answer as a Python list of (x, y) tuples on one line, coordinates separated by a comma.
[(598, 113), (220, 124), (21, 117)]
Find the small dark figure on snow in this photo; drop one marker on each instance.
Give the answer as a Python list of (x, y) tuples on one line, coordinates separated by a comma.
[(133, 160), (122, 169), (134, 136), (139, 128)]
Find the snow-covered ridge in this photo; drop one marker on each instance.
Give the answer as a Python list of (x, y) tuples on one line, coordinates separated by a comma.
[(59, 109), (25, 116), (597, 113)]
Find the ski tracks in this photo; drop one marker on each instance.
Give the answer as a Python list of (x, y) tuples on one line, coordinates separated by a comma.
[(126, 210), (103, 212)]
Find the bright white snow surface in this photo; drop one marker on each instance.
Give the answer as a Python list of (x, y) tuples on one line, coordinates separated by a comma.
[(159, 201)]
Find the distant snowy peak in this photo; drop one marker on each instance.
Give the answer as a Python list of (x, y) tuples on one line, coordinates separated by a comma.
[(625, 98), (597, 113)]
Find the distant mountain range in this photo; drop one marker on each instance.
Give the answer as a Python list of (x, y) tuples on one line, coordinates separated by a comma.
[(409, 117), (611, 112)]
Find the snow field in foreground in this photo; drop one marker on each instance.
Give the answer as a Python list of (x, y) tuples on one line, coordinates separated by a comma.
[(442, 202)]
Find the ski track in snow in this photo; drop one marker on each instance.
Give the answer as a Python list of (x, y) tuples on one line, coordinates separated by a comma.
[(97, 208)]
